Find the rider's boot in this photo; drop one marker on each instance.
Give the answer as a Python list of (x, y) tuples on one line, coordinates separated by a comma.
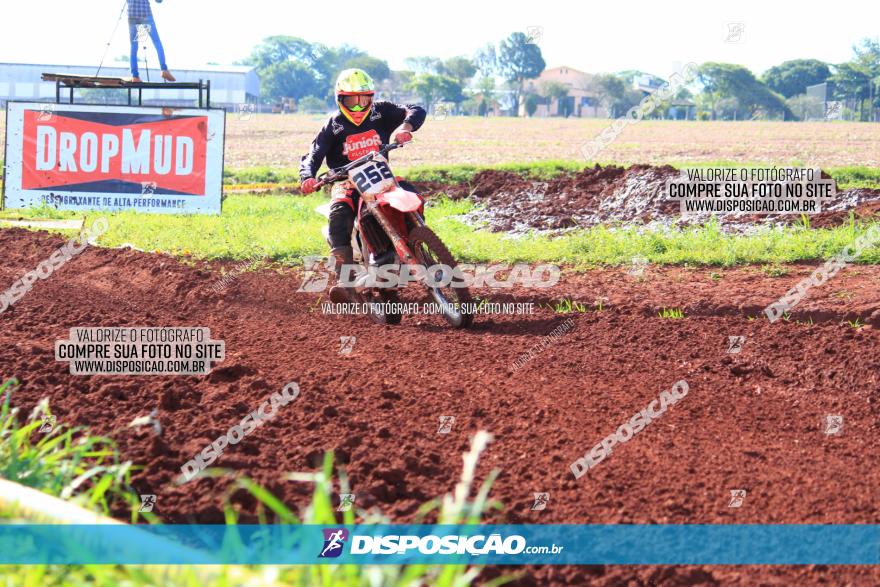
[(339, 294)]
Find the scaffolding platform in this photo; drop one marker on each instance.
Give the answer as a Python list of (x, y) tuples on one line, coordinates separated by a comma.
[(67, 83)]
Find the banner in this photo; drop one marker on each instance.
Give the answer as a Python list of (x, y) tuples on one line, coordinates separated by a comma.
[(515, 544), (86, 157)]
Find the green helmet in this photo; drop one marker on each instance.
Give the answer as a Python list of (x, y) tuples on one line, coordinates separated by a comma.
[(354, 82)]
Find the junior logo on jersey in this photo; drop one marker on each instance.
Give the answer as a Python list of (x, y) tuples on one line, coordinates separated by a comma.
[(360, 144)]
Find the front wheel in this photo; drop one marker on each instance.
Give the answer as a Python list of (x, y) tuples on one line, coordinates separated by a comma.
[(453, 298), (382, 305)]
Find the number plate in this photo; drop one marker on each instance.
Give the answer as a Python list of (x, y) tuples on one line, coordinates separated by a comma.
[(372, 177)]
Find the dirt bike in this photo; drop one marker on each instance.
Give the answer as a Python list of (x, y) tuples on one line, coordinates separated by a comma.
[(390, 230)]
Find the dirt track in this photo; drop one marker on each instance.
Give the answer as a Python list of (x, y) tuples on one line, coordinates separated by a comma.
[(752, 420), (613, 195)]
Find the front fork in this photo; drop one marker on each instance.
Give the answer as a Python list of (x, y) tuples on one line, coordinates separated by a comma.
[(404, 253)]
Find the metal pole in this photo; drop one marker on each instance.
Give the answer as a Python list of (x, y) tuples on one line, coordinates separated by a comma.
[(208, 99), (58, 91), (200, 93)]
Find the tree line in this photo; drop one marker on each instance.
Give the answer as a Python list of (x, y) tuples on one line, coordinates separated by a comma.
[(494, 77)]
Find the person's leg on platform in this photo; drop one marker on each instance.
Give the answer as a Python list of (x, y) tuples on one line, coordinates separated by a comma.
[(157, 42), (133, 37)]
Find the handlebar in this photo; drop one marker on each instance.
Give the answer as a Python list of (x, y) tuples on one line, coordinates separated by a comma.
[(334, 174)]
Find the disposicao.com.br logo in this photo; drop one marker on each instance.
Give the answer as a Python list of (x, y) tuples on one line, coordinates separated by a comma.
[(429, 544)]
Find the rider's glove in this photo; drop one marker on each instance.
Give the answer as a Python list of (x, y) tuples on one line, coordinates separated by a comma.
[(309, 185), (403, 136)]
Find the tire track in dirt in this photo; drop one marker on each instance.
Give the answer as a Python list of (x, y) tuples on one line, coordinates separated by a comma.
[(751, 421)]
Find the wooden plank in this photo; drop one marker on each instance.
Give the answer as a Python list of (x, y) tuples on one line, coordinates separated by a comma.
[(90, 81), (72, 76)]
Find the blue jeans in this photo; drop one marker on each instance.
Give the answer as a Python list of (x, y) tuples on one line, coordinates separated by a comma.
[(154, 35)]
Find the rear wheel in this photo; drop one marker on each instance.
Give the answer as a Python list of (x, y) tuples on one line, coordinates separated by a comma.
[(455, 302)]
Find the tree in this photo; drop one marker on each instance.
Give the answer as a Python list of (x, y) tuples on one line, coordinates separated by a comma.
[(279, 48), (424, 64), (531, 103), (867, 56), (791, 78), (377, 68), (103, 96), (288, 79), (726, 80), (673, 105), (485, 60), (486, 86), (729, 109), (396, 84), (432, 87), (312, 105), (858, 80), (519, 60), (615, 94), (461, 68), (283, 61), (556, 91), (322, 63)]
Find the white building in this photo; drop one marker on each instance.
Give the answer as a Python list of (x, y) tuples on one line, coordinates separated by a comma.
[(231, 85)]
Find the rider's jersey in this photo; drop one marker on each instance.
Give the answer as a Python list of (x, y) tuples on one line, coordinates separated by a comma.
[(342, 141)]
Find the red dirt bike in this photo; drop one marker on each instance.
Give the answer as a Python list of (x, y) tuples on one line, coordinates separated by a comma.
[(389, 230)]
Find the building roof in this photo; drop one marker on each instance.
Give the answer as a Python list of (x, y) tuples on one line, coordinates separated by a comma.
[(118, 64), (564, 69), (579, 83)]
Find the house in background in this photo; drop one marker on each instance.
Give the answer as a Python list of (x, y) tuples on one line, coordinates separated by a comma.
[(492, 105), (582, 99), (647, 84)]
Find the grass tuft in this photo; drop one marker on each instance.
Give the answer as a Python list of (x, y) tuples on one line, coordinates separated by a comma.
[(671, 313), (567, 306), (68, 463)]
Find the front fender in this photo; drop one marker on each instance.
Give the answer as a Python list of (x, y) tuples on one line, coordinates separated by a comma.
[(400, 199)]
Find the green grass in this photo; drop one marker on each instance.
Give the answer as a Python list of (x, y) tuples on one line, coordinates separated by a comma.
[(856, 177), (846, 177), (70, 463), (671, 313), (286, 228), (282, 229), (775, 271), (567, 306), (60, 460)]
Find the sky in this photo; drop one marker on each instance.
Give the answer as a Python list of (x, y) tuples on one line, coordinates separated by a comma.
[(595, 37)]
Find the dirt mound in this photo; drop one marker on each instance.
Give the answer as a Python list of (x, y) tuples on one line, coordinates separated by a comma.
[(752, 420), (613, 195)]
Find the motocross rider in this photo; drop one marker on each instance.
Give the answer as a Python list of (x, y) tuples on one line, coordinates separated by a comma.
[(360, 126)]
